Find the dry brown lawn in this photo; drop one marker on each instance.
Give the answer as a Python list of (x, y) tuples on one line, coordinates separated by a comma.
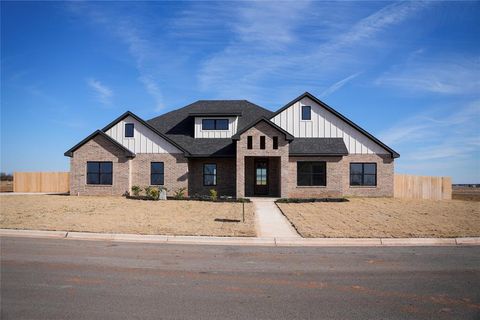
[(121, 215), (385, 217), (466, 193)]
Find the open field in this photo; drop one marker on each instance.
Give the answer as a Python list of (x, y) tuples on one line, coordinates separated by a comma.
[(6, 186), (121, 215), (385, 217), (466, 193)]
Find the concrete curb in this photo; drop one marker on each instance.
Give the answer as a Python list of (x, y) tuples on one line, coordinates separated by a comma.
[(244, 241), (32, 233)]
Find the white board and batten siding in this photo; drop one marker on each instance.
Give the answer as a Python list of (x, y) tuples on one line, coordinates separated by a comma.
[(232, 128), (324, 124), (144, 140)]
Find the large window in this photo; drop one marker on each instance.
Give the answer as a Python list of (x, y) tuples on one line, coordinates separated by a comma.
[(215, 124), (311, 173), (156, 173), (306, 113), (129, 130), (210, 174), (99, 172), (363, 174)]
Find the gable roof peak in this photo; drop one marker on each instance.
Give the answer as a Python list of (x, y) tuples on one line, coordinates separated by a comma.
[(288, 136), (393, 153)]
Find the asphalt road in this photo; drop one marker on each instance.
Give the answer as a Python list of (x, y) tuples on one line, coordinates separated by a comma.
[(68, 279)]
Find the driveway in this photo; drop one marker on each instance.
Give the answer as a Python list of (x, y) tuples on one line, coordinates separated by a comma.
[(69, 279)]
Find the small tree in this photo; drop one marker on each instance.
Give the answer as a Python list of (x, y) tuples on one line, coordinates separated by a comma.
[(136, 190), (180, 194), (213, 194)]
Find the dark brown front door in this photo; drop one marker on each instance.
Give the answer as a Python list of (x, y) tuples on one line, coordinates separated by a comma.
[(261, 177)]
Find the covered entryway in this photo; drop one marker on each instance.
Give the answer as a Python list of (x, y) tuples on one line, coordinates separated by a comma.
[(262, 176)]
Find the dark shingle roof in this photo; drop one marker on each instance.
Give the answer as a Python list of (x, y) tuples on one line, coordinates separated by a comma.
[(178, 125), (318, 147)]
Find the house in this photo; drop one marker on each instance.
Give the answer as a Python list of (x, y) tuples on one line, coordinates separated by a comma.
[(305, 149)]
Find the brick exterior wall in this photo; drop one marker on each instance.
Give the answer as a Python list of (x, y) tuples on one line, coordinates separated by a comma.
[(235, 176), (334, 187), (261, 129), (225, 176), (338, 177), (385, 173), (175, 170), (98, 149)]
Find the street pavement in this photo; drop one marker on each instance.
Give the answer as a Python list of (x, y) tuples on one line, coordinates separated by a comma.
[(78, 279)]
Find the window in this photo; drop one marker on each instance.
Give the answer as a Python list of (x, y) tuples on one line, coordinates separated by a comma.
[(262, 142), (249, 142), (363, 174), (99, 172), (306, 113), (156, 173), (128, 130), (275, 142), (210, 174), (311, 173), (214, 124), (261, 173)]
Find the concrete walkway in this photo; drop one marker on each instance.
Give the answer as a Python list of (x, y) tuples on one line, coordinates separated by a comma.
[(270, 222)]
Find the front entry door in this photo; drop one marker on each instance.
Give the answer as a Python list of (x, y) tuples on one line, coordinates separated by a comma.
[(261, 177)]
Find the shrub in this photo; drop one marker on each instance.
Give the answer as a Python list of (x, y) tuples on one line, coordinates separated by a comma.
[(213, 195), (147, 190), (153, 192), (180, 194), (136, 190)]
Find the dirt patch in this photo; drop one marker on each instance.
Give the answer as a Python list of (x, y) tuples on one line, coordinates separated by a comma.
[(120, 215), (385, 217)]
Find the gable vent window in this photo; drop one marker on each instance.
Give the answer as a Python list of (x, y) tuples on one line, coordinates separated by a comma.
[(249, 142), (214, 124), (262, 142), (275, 142), (129, 130), (306, 113)]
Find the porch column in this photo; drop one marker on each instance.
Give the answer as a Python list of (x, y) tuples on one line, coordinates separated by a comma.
[(284, 172), (240, 185)]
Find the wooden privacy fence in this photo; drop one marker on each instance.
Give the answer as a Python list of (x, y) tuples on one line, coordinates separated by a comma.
[(422, 187), (57, 182)]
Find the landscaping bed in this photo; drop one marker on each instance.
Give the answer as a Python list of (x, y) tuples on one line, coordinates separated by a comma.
[(111, 214), (384, 217)]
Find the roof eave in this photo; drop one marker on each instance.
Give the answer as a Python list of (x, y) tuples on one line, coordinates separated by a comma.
[(318, 154)]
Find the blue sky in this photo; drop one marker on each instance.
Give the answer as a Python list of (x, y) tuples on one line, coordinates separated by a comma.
[(408, 72)]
